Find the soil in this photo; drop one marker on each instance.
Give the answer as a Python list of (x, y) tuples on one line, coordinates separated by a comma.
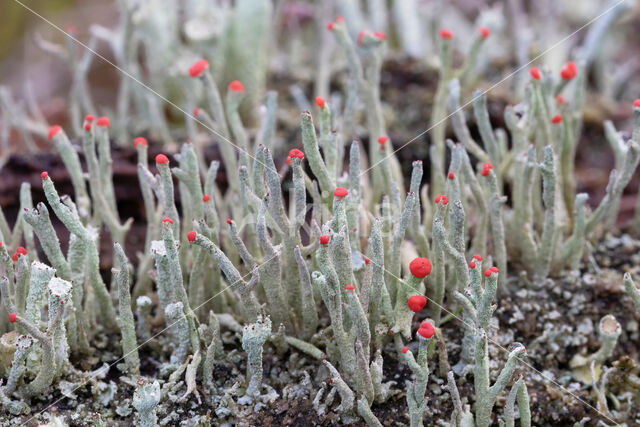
[(555, 321)]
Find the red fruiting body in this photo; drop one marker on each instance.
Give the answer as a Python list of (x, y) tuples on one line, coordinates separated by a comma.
[(416, 303), (320, 101), (53, 131), (288, 160), (556, 119), (236, 86), (340, 192), (361, 35), (420, 267), (535, 73), (487, 165), (324, 239), (382, 139), (367, 260), (636, 103), (494, 269), (478, 257), (169, 220), (229, 221), (206, 198), (88, 118), (21, 250), (569, 71), (330, 26), (15, 256), (446, 34), (484, 31), (296, 153), (87, 127), (44, 175), (442, 198), (426, 330), (339, 19), (196, 111), (472, 264), (349, 287), (379, 35), (198, 67), (451, 175), (103, 121), (12, 317), (161, 159), (405, 349), (486, 168), (560, 99), (487, 273), (191, 236), (140, 141)]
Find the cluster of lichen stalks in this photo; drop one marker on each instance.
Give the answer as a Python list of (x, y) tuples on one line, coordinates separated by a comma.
[(198, 276)]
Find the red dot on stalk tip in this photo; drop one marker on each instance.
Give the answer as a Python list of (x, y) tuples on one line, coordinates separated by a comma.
[(191, 236), (324, 239), (198, 67), (15, 256), (53, 131), (367, 260), (361, 35), (382, 139), (535, 73), (560, 99), (103, 121), (446, 34), (379, 35), (87, 127), (472, 264), (88, 118), (229, 221), (349, 287), (339, 19), (569, 70), (478, 257), (161, 159), (298, 154), (416, 303), (236, 86), (494, 269), (451, 175), (12, 317), (21, 250), (340, 192), (169, 220), (420, 267), (484, 31), (196, 111), (556, 119), (288, 160), (405, 349), (140, 141), (426, 330), (330, 26), (636, 103), (44, 175), (206, 198), (487, 273), (320, 101)]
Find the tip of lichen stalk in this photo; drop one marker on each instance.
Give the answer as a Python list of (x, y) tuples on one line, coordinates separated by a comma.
[(416, 303), (339, 19), (484, 31), (426, 330), (361, 35), (103, 122), (288, 160), (236, 86), (636, 103), (451, 175), (560, 99), (206, 198), (161, 159), (169, 220), (472, 264), (442, 198), (140, 141), (87, 127), (88, 118), (198, 67), (196, 111), (53, 131), (191, 236), (535, 73), (569, 71), (44, 175), (420, 267), (488, 272), (446, 34), (295, 153), (340, 192), (229, 221), (379, 35), (330, 26), (367, 260), (12, 317), (349, 287), (556, 119), (486, 168), (382, 139), (494, 269), (478, 257), (320, 101), (21, 250), (324, 239)]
